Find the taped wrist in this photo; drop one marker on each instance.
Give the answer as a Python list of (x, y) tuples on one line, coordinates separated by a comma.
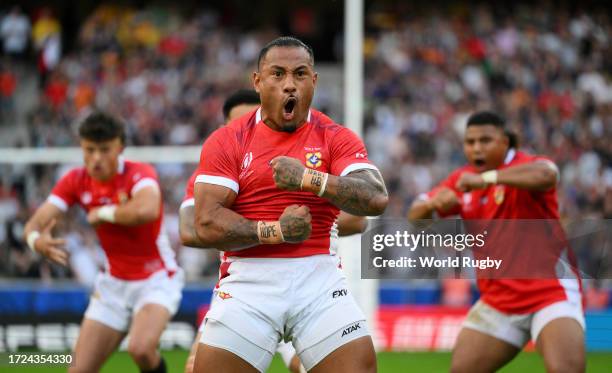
[(314, 181), (269, 232), (31, 239), (107, 213), (489, 177)]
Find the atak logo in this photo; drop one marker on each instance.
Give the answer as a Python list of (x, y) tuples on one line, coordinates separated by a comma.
[(223, 295), (339, 293), (350, 329), (313, 160)]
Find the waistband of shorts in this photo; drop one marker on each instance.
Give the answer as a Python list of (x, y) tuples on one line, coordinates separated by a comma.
[(301, 259)]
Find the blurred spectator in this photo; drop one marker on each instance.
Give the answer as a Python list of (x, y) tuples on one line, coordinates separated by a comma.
[(8, 84), (46, 34), (15, 33)]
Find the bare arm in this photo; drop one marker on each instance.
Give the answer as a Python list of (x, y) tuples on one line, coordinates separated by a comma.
[(361, 192), (350, 224), (536, 176), (420, 209), (43, 222), (443, 200), (216, 225), (144, 207), (187, 230)]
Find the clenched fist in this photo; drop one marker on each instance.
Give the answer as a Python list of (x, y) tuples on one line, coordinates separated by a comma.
[(295, 223), (444, 200), (287, 173)]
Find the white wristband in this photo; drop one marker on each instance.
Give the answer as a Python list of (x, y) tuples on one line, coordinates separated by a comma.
[(31, 239), (489, 177), (107, 213), (324, 185)]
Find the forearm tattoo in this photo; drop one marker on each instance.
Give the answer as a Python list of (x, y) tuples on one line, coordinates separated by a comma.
[(358, 192)]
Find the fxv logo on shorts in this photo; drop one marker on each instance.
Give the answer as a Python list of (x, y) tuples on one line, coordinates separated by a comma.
[(339, 293)]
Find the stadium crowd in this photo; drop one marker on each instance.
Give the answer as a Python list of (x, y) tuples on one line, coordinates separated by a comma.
[(546, 70)]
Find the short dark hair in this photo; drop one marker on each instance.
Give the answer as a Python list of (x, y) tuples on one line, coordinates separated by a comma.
[(240, 97), (99, 127), (482, 118), (284, 41)]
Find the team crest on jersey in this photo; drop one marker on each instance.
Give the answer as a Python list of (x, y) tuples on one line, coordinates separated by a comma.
[(223, 295), (313, 160), (498, 194)]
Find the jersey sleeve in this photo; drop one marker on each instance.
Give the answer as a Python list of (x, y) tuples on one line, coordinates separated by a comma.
[(188, 199), (348, 154), (143, 176), (65, 192), (219, 164)]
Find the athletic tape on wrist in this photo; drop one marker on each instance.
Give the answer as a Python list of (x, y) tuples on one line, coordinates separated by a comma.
[(31, 239), (269, 232), (314, 181), (489, 177), (107, 213)]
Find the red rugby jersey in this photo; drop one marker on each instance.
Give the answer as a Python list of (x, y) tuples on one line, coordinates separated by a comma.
[(237, 156), (506, 202), (133, 252)]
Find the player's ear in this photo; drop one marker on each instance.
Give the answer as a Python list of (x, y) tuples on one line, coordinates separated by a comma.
[(256, 81), (315, 78)]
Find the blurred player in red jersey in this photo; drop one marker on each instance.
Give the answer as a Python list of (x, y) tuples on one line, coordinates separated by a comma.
[(238, 104), (269, 188), (141, 287), (501, 182)]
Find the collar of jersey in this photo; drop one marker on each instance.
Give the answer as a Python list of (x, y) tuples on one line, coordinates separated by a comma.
[(510, 156), (121, 165), (258, 116)]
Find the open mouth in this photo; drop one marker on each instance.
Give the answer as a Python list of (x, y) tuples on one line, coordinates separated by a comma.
[(289, 108), (479, 163)]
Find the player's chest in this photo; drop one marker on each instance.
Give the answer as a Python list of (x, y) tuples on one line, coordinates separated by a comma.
[(255, 169), (95, 194), (487, 203)]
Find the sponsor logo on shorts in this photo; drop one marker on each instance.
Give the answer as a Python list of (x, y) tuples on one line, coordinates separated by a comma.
[(350, 329), (223, 295), (339, 293)]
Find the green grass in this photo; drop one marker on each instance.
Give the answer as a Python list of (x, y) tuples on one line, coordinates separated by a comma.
[(388, 362)]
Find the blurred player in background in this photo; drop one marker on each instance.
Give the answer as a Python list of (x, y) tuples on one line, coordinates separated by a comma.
[(141, 287), (237, 105), (269, 188), (501, 182)]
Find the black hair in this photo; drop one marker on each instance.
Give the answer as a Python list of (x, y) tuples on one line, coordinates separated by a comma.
[(284, 41), (241, 97), (482, 118), (99, 127)]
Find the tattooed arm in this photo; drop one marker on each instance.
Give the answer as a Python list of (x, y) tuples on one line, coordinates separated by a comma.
[(217, 226), (361, 192)]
